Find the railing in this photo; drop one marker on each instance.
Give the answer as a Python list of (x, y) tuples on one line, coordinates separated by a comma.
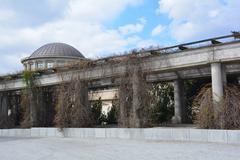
[(209, 42), (234, 37)]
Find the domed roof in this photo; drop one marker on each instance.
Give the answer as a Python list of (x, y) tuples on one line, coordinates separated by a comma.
[(56, 50)]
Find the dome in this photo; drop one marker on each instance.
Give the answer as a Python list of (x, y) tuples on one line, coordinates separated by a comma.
[(56, 50)]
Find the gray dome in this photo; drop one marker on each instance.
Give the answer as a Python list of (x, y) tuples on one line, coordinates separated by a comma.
[(56, 50)]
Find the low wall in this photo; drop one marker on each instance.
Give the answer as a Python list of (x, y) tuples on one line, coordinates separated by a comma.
[(164, 134)]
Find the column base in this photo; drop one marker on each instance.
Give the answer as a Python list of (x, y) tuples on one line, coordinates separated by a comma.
[(176, 120)]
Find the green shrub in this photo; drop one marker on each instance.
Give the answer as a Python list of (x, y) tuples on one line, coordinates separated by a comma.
[(97, 111), (112, 115), (162, 108)]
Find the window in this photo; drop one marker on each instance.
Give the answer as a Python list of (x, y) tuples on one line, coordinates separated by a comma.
[(40, 65), (49, 64)]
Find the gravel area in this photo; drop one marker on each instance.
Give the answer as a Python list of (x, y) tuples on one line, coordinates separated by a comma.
[(112, 149)]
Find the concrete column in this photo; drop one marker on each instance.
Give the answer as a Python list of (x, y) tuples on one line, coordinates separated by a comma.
[(218, 78), (179, 106), (32, 107), (55, 64), (28, 66), (82, 116), (5, 121), (124, 103), (35, 65), (45, 64), (136, 102), (3, 110)]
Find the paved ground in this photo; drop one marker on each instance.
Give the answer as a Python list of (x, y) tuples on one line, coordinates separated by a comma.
[(112, 149)]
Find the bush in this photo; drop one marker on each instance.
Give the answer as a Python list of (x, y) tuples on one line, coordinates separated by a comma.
[(162, 105), (112, 115), (202, 109), (191, 89), (97, 111), (223, 115), (101, 118)]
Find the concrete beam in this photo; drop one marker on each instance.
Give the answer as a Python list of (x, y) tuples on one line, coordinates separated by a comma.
[(191, 58), (106, 94)]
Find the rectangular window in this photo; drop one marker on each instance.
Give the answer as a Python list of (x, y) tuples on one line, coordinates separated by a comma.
[(40, 65), (50, 65)]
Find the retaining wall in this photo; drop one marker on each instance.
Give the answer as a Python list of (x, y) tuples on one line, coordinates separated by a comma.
[(164, 134)]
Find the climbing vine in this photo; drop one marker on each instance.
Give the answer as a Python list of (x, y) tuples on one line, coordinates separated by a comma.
[(133, 96), (27, 102), (73, 108)]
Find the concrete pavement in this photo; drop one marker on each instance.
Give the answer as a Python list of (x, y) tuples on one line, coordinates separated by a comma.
[(112, 149)]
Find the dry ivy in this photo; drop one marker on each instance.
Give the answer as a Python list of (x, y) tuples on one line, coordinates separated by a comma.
[(73, 108), (224, 115)]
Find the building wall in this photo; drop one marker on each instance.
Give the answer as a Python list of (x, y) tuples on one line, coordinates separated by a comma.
[(46, 63)]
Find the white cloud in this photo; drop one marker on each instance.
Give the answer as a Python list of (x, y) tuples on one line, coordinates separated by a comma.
[(191, 20), (157, 30), (92, 10), (81, 26), (133, 28)]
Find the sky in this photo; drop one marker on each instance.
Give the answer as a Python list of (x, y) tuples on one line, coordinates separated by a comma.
[(99, 28)]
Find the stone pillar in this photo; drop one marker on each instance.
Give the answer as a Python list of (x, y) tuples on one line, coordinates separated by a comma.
[(136, 101), (179, 102), (41, 106), (33, 107), (35, 64), (6, 120), (82, 115), (3, 110), (55, 64), (133, 99), (125, 102), (45, 63), (83, 94), (218, 78), (28, 66)]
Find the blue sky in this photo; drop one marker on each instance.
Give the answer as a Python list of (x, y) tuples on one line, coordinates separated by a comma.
[(99, 28)]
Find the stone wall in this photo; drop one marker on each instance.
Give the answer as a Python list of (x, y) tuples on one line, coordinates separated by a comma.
[(156, 134)]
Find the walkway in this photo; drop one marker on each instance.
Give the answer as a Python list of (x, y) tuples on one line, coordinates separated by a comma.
[(112, 149)]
